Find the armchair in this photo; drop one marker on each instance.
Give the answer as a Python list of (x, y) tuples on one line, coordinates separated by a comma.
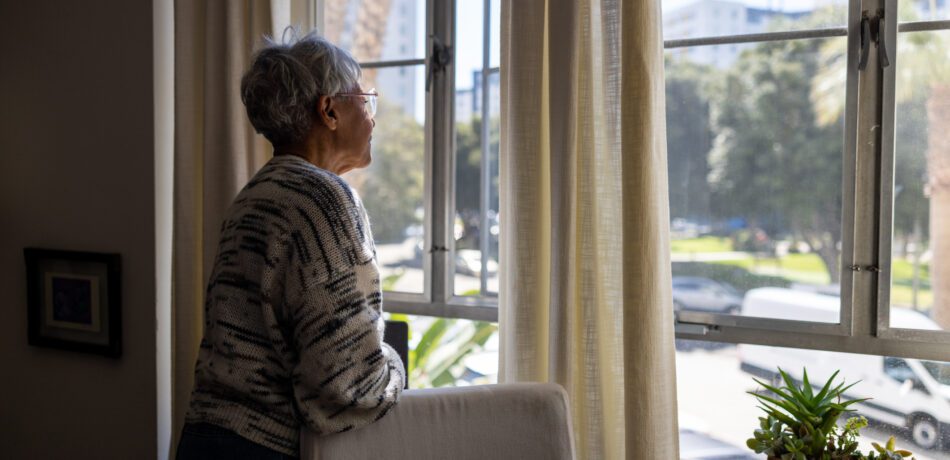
[(520, 421)]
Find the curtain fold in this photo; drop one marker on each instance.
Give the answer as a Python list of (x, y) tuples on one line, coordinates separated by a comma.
[(216, 152), (585, 290)]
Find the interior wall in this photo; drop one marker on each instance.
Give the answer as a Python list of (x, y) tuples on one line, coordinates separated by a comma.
[(77, 173)]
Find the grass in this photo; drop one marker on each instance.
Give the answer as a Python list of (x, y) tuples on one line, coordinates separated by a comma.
[(903, 296), (796, 269), (809, 268), (702, 244)]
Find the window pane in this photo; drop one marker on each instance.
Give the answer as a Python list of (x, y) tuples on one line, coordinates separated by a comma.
[(714, 18), (755, 171), (470, 144), (923, 10), (460, 353), (375, 30), (910, 397), (920, 274), (393, 186)]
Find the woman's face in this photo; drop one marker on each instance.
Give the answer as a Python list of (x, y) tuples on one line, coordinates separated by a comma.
[(355, 130)]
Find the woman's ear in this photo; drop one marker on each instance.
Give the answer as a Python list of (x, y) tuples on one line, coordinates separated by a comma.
[(326, 112)]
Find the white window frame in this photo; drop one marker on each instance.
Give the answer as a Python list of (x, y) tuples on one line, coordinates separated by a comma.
[(867, 214), (867, 196), (438, 298)]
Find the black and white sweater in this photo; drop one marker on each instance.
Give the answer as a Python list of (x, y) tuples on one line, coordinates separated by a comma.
[(293, 328)]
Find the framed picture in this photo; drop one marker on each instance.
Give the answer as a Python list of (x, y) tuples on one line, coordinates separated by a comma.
[(74, 301)]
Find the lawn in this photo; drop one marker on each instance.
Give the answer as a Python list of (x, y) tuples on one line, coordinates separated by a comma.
[(701, 244), (808, 268)]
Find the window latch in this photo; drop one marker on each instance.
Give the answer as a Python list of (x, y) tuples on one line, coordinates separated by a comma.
[(439, 59), (870, 268), (872, 30)]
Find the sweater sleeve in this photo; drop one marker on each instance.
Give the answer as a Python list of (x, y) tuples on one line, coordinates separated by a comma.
[(346, 376)]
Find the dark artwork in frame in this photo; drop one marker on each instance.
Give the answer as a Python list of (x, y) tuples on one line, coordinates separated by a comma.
[(74, 300)]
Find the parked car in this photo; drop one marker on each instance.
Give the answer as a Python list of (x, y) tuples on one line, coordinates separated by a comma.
[(908, 393), (704, 294)]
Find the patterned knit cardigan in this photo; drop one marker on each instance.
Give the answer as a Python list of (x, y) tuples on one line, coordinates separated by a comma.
[(293, 328)]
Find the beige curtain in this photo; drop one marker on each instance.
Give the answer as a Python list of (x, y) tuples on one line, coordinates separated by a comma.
[(216, 152), (585, 293)]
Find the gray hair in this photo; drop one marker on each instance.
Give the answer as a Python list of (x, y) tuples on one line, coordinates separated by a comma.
[(281, 87)]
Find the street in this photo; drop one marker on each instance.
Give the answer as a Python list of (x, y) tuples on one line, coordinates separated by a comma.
[(712, 399)]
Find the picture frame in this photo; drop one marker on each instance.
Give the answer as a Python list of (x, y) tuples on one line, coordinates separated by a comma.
[(74, 301)]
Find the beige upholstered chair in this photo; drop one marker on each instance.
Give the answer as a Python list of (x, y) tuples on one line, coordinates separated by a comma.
[(520, 421)]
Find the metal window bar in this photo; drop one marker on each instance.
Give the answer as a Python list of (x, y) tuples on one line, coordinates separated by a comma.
[(440, 164), (757, 38), (883, 327), (483, 232), (392, 63), (922, 26)]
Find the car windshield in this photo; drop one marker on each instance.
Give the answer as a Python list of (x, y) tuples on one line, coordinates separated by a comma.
[(939, 370)]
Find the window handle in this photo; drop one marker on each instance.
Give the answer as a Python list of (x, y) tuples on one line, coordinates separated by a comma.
[(439, 60), (872, 30), (881, 50), (865, 41)]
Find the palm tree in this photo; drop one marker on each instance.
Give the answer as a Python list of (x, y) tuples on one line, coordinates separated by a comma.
[(923, 73)]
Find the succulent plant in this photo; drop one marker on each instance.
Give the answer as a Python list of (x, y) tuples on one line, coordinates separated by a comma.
[(802, 424)]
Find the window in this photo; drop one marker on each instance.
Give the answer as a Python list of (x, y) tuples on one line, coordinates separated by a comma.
[(432, 189), (819, 191)]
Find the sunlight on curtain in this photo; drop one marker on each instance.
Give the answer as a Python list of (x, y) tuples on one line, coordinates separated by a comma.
[(585, 269)]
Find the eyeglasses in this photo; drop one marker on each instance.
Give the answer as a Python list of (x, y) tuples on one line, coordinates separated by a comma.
[(369, 101)]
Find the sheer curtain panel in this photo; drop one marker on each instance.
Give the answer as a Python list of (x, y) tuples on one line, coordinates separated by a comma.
[(585, 294)]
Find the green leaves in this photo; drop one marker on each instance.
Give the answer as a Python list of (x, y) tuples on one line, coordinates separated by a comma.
[(436, 360), (802, 424)]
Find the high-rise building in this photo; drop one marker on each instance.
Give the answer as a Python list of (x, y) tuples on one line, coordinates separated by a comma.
[(379, 30), (468, 101), (398, 84)]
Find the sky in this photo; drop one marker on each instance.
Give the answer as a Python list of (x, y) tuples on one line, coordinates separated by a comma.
[(468, 46), (469, 14)]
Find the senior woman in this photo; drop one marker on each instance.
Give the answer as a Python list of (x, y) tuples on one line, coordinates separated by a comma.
[(293, 328)]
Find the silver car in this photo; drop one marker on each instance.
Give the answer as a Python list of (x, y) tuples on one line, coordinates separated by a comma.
[(704, 294)]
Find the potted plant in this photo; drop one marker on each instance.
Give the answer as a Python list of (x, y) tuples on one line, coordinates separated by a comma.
[(802, 424)]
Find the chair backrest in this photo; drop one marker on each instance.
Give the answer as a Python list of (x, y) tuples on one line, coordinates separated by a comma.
[(397, 336), (519, 421)]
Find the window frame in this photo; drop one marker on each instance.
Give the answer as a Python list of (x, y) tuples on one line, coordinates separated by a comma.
[(438, 298), (867, 197), (867, 214)]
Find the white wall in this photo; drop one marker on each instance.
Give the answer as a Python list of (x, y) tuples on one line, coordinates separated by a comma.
[(77, 172)]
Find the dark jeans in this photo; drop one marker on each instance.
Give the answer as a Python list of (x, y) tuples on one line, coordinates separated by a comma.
[(204, 441)]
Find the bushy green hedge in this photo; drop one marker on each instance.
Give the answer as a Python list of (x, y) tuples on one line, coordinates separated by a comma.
[(737, 277)]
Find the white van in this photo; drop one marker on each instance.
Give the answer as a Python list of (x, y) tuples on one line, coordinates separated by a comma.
[(907, 393)]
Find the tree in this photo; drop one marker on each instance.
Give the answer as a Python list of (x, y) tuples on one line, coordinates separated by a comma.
[(392, 186), (468, 186), (688, 139), (772, 162)]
